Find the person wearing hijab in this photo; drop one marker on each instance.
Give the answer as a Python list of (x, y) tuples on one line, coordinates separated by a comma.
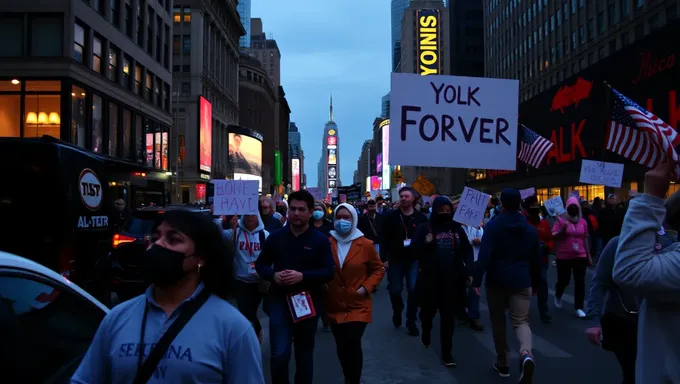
[(570, 234), (446, 255), (358, 270)]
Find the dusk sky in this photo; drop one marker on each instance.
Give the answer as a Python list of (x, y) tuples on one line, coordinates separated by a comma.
[(341, 47)]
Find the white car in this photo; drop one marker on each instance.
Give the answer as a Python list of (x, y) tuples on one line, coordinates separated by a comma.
[(46, 322)]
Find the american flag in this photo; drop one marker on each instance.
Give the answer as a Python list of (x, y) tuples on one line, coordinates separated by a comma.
[(533, 147), (639, 135)]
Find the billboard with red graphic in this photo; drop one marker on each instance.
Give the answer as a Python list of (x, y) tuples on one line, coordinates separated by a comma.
[(205, 134)]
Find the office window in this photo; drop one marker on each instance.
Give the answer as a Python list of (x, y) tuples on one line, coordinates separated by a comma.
[(625, 11), (176, 44), (157, 91), (126, 72), (150, 18), (581, 3), (128, 19), (78, 43), (159, 45), (97, 54), (138, 78), (166, 48), (46, 33), (545, 28), (140, 24), (559, 49), (98, 6), (602, 53), (186, 45), (186, 15), (78, 116), (113, 129), (591, 58), (127, 134), (147, 89), (540, 33), (12, 31), (140, 149), (115, 12), (625, 39), (565, 10), (574, 41), (185, 88), (639, 3), (613, 17), (591, 29), (176, 15), (552, 23), (573, 7), (582, 34), (600, 22), (113, 63), (166, 97), (97, 124)]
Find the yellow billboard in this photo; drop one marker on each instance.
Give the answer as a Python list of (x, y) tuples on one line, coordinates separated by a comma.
[(428, 42)]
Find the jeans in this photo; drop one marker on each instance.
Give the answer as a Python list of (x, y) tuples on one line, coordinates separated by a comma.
[(620, 336), (283, 333), (248, 298), (348, 344), (542, 294), (442, 301), (565, 268), (517, 304), (397, 272)]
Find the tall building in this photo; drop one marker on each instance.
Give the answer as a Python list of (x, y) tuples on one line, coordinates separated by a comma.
[(283, 121), (328, 177), (243, 9), (466, 31), (96, 76), (266, 50), (385, 106), (206, 79), (296, 156), (397, 9), (364, 165), (542, 43)]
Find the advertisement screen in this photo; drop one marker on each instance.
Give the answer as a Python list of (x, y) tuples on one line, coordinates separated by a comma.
[(378, 163), (428, 42), (205, 133), (332, 184), (332, 157), (295, 163), (332, 140), (332, 172), (245, 155), (200, 192), (376, 183), (243, 176), (385, 156)]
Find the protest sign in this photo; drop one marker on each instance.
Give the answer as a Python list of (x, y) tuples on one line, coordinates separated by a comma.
[(235, 197), (555, 206), (453, 121), (524, 193), (471, 207), (601, 173)]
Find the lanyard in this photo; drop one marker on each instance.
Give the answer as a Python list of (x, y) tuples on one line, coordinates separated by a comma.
[(372, 226), (401, 216), (141, 345)]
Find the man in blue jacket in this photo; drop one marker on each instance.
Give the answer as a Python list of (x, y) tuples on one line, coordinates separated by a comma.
[(298, 261), (510, 256)]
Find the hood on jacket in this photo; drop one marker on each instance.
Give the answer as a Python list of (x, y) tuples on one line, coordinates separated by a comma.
[(573, 200), (437, 203), (354, 232), (242, 225)]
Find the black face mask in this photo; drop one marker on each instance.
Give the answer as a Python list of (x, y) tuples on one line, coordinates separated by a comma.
[(572, 211), (443, 218), (162, 267)]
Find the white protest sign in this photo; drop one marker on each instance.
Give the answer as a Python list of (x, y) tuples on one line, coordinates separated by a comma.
[(236, 197), (555, 206), (453, 121), (471, 207), (524, 193), (601, 173)]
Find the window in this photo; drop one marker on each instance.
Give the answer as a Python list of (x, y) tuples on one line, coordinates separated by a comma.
[(600, 22), (166, 97), (654, 22), (573, 7), (611, 9), (126, 72), (128, 19), (639, 31), (140, 25), (139, 140), (43, 116), (53, 326), (186, 13), (574, 40), (115, 13), (186, 45), (582, 34), (113, 63), (127, 134), (113, 129), (625, 12), (625, 38), (176, 15), (97, 124), (166, 48), (138, 78), (78, 43), (148, 83), (46, 35), (159, 44), (176, 44), (639, 3), (10, 114), (149, 30), (98, 6), (602, 53), (185, 88), (97, 54), (558, 17), (78, 116), (591, 29), (148, 140), (12, 31)]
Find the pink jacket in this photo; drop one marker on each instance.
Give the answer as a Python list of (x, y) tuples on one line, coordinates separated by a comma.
[(573, 242)]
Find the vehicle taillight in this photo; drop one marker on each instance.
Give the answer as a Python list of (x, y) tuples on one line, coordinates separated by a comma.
[(119, 239)]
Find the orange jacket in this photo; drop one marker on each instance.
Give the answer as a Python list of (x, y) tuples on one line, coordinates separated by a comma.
[(362, 268)]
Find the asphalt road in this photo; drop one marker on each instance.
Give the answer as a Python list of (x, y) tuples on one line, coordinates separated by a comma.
[(562, 353)]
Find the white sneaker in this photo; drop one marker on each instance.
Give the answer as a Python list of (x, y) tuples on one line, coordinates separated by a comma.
[(580, 314), (558, 302)]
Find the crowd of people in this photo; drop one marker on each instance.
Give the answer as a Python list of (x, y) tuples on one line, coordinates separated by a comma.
[(303, 260)]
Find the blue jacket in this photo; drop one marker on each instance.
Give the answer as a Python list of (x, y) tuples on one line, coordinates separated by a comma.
[(510, 253)]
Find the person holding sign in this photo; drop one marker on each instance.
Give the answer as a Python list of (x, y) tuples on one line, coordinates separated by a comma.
[(445, 256), (573, 254), (298, 261), (358, 270)]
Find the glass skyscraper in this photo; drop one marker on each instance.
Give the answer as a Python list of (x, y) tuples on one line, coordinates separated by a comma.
[(243, 9), (398, 8)]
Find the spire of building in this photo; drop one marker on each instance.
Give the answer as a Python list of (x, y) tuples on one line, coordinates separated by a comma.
[(331, 114)]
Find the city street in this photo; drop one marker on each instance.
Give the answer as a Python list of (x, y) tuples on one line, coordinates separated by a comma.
[(562, 353)]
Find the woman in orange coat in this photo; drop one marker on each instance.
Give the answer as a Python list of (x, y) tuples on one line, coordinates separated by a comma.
[(358, 270)]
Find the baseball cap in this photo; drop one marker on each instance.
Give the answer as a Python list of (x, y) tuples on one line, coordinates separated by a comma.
[(456, 199)]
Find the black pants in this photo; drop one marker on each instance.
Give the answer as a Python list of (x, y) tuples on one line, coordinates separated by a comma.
[(443, 302), (565, 268), (248, 298), (619, 335), (348, 343)]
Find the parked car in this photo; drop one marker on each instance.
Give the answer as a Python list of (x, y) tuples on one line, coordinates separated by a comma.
[(129, 245), (47, 322)]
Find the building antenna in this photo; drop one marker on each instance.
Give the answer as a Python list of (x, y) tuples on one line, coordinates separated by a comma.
[(331, 110)]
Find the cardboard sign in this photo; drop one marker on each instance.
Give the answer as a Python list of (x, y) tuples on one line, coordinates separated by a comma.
[(235, 197), (601, 173), (471, 207), (453, 121), (555, 206), (524, 193)]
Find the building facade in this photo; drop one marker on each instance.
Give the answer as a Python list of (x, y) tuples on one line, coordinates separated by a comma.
[(283, 116), (466, 31), (385, 106), (266, 50), (243, 9), (96, 75), (397, 14), (206, 78), (295, 152), (543, 43), (364, 165), (257, 105), (328, 179)]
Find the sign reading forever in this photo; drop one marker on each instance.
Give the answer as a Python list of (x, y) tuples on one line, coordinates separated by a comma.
[(235, 197), (601, 173), (452, 121), (555, 206), (471, 207)]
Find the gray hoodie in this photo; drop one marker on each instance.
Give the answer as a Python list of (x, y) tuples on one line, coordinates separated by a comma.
[(653, 275), (247, 247)]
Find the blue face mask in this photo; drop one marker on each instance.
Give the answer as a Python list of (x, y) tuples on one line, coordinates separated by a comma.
[(343, 226), (317, 215)]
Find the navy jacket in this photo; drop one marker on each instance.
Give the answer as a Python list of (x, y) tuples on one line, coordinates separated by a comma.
[(510, 253), (395, 229)]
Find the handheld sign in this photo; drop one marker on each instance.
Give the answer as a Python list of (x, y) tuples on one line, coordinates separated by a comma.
[(524, 193), (453, 121), (471, 207), (236, 197), (555, 206), (601, 173)]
